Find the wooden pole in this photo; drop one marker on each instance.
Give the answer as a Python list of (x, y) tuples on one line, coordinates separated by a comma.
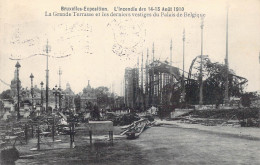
[(112, 137), (71, 136), (32, 130), (53, 132), (90, 137), (38, 141), (26, 133), (73, 131)]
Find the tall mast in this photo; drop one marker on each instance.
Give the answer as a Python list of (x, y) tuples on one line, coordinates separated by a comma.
[(60, 73), (152, 80), (201, 60), (147, 72), (171, 53), (147, 57), (153, 51), (138, 72), (142, 83), (183, 39), (137, 87), (226, 99), (183, 62)]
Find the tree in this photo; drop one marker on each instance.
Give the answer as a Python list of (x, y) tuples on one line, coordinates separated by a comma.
[(77, 103), (192, 92), (247, 97), (6, 95), (214, 85), (104, 97), (1, 106)]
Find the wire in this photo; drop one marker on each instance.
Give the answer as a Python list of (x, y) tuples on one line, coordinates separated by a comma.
[(39, 55), (4, 82)]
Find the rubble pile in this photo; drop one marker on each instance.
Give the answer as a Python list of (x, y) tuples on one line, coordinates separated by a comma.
[(125, 119), (225, 113), (246, 117)]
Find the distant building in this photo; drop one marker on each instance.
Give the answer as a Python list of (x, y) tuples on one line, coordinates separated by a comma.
[(68, 98), (88, 98)]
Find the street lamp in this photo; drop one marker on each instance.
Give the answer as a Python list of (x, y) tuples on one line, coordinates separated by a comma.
[(31, 76), (18, 84), (41, 95)]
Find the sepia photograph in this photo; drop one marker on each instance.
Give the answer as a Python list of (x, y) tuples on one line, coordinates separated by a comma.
[(169, 82)]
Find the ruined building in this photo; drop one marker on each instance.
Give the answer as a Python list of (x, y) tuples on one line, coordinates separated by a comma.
[(153, 85)]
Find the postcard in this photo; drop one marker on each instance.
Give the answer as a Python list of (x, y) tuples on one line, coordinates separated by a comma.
[(79, 78)]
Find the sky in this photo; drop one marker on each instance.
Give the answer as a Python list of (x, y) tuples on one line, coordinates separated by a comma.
[(99, 48)]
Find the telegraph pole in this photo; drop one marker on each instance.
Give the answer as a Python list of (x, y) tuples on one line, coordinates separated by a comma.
[(201, 61), (226, 99), (47, 50)]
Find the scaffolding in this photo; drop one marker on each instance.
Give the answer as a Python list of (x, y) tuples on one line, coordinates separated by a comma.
[(160, 79)]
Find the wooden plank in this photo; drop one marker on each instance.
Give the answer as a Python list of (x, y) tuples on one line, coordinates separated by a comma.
[(30, 156)]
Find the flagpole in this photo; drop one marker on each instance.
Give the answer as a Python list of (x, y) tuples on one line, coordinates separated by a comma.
[(259, 90)]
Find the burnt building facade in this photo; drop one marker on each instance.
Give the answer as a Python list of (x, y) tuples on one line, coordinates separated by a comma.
[(158, 83)]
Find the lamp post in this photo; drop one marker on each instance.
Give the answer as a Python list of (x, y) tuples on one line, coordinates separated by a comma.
[(18, 88), (31, 76), (41, 95)]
